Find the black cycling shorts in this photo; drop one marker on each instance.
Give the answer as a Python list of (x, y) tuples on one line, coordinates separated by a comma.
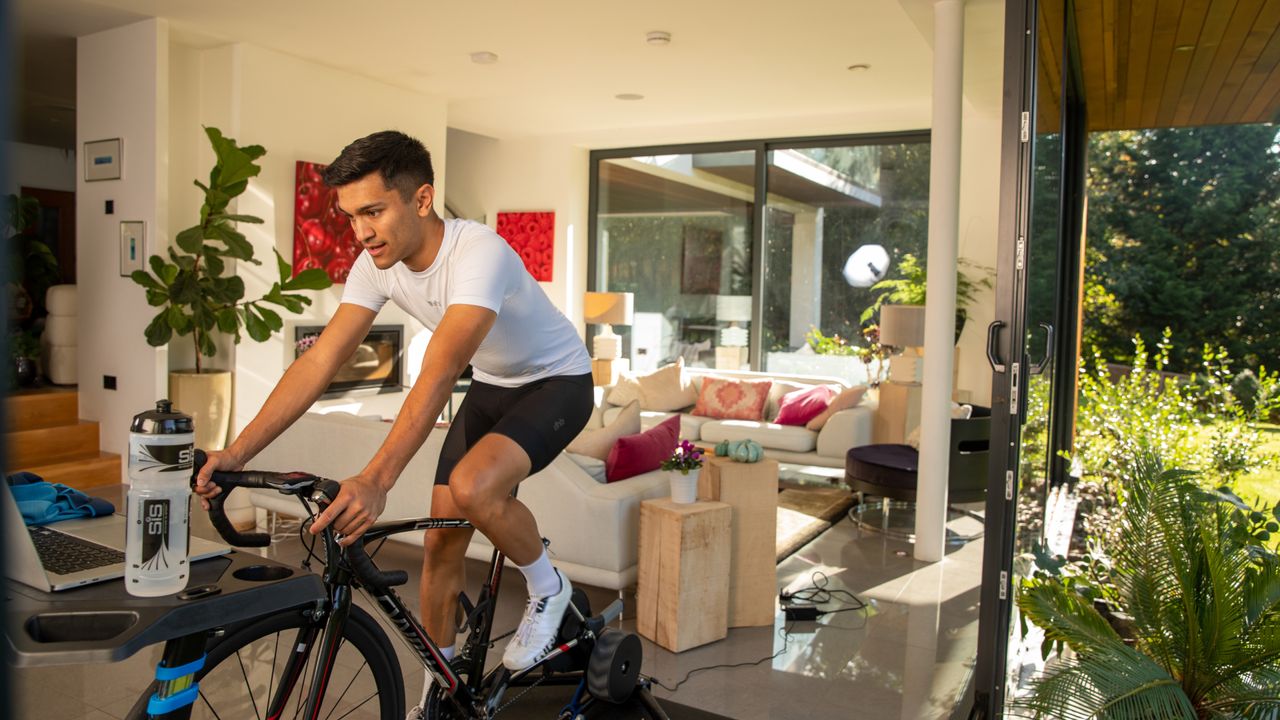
[(542, 417)]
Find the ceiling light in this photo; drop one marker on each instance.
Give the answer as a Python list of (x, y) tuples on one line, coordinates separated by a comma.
[(859, 67), (629, 96), (484, 57), (658, 37), (1184, 48)]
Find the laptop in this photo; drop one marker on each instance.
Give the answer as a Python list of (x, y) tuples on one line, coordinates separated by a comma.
[(76, 552)]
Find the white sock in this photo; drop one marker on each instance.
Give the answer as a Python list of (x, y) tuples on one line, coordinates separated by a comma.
[(447, 652), (542, 576)]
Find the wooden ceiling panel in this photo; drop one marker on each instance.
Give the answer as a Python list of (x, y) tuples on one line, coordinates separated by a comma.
[(1260, 31), (1173, 63), (1229, 52)]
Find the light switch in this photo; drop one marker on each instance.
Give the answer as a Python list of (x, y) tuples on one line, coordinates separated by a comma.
[(131, 246)]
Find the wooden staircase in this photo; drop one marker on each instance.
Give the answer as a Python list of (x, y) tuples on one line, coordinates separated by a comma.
[(47, 437)]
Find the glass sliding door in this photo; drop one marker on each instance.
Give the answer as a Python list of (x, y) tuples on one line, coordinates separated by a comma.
[(824, 202), (676, 230), (1035, 361)]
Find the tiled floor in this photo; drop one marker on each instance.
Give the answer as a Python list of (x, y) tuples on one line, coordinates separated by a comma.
[(909, 655)]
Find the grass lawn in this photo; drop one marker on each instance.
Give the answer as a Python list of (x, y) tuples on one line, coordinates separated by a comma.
[(1264, 484)]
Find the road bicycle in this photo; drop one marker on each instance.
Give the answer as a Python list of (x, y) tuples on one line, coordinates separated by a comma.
[(333, 660)]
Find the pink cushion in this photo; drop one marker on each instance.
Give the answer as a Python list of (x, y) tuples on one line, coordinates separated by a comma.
[(800, 406), (637, 454), (732, 399)]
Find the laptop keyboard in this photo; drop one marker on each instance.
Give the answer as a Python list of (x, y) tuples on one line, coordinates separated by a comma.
[(63, 554)]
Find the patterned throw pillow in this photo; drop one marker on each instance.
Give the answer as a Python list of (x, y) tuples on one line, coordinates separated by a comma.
[(732, 399)]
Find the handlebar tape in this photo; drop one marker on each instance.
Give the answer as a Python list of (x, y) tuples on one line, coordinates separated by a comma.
[(363, 567), (217, 515)]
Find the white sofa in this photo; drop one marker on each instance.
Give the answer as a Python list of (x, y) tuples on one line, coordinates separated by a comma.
[(593, 528), (784, 443)]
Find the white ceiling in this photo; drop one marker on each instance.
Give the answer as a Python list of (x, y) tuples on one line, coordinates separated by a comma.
[(748, 65)]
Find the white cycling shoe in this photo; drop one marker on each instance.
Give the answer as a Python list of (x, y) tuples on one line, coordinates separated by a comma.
[(415, 713), (536, 635)]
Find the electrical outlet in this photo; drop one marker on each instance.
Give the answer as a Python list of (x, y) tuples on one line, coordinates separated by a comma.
[(108, 382)]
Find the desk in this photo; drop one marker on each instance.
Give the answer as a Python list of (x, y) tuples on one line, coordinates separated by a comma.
[(102, 623)]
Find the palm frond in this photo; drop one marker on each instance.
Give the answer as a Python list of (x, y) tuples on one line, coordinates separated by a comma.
[(1066, 616), (1113, 682)]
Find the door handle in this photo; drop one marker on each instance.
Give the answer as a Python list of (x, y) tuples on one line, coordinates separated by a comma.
[(993, 339), (1039, 367)]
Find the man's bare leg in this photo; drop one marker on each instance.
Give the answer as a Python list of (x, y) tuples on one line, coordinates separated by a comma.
[(443, 566), (481, 484)]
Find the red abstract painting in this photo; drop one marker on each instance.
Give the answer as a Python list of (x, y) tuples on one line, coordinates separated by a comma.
[(322, 235), (533, 236)]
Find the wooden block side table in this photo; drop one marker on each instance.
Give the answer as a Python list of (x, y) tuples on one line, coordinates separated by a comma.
[(751, 489), (898, 413), (682, 593)]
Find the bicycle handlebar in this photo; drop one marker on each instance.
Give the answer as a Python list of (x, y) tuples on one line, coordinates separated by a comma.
[(290, 483)]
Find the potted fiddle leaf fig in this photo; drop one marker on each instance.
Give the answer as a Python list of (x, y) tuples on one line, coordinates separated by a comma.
[(198, 296)]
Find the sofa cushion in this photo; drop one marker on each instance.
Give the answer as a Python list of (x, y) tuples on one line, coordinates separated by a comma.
[(690, 425), (624, 391), (598, 443), (591, 466), (638, 454), (845, 400), (666, 389), (800, 406), (732, 399), (770, 435)]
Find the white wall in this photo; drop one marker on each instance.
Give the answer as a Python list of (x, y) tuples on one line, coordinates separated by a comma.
[(488, 176), (122, 91), (297, 110), (38, 166)]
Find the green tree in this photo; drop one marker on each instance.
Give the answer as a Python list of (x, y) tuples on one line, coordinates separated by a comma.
[(1183, 233)]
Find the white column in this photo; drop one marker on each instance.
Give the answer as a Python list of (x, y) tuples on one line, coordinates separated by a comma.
[(940, 311)]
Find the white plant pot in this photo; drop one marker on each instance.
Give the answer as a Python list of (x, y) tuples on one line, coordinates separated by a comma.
[(206, 397), (684, 488)]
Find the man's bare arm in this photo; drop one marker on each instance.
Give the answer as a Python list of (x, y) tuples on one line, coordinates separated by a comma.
[(452, 346), (302, 383)]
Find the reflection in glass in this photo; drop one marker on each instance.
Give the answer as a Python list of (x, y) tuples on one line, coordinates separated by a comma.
[(676, 231), (824, 204)]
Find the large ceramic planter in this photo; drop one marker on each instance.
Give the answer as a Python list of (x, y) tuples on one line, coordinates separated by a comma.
[(684, 487), (206, 397)]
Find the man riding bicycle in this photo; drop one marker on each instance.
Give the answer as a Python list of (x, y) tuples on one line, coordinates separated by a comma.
[(530, 396)]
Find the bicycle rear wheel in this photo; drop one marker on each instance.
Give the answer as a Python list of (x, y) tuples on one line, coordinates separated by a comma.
[(243, 671)]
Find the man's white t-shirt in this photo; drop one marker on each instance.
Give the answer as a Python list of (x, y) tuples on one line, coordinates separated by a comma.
[(530, 340)]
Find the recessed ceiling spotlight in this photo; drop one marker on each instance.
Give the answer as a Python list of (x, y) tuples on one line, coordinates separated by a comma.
[(1184, 48), (859, 67), (658, 37), (629, 96), (484, 57)]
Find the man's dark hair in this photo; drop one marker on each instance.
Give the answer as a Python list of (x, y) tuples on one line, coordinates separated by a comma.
[(402, 161)]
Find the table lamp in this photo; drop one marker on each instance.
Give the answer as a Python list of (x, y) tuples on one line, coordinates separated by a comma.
[(902, 326), (732, 309), (607, 309)]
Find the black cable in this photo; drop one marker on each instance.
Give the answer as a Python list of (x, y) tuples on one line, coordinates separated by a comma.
[(786, 642), (810, 597)]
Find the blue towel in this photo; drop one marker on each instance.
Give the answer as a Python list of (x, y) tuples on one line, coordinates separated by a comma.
[(42, 503)]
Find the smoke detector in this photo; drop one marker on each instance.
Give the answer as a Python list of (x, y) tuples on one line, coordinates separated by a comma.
[(484, 57)]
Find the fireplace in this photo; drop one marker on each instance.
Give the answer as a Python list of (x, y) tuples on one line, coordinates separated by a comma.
[(375, 365)]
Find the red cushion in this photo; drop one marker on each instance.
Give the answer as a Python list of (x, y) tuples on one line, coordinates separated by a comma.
[(800, 406), (638, 454)]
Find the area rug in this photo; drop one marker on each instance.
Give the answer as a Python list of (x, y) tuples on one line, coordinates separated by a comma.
[(804, 513)]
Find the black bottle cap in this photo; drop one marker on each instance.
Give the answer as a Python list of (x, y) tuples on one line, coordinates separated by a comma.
[(164, 420)]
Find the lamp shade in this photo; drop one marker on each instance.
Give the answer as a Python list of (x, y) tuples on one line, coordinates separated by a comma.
[(902, 325), (607, 308), (733, 308)]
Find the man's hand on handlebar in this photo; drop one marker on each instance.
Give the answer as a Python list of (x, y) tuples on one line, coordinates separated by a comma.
[(218, 460), (359, 503)]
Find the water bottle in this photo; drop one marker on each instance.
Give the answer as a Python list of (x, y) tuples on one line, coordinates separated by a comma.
[(161, 451)]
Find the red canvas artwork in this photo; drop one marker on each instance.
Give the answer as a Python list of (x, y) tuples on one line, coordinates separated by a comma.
[(322, 235), (533, 236)]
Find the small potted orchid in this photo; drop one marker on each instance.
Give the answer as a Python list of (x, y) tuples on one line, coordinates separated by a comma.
[(682, 468)]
